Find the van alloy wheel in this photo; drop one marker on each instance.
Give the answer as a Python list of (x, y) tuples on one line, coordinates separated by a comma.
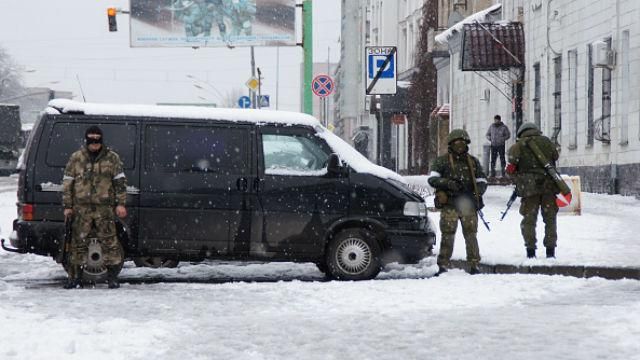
[(354, 254), (155, 262)]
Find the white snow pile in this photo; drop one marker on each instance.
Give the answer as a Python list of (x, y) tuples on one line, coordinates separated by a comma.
[(480, 16)]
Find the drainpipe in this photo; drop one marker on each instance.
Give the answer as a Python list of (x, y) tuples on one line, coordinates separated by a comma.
[(557, 123)]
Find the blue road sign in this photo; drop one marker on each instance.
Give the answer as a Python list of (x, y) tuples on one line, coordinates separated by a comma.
[(264, 101), (244, 102), (322, 85)]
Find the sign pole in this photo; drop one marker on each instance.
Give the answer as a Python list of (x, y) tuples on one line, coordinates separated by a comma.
[(307, 44), (253, 75)]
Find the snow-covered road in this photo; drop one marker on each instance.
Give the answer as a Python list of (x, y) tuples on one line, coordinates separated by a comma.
[(285, 311), (455, 316)]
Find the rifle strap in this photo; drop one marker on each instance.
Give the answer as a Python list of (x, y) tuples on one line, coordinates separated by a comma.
[(472, 171)]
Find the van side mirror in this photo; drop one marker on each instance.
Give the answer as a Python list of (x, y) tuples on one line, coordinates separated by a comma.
[(333, 164)]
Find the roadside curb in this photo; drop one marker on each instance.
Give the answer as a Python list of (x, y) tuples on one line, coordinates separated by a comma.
[(565, 270)]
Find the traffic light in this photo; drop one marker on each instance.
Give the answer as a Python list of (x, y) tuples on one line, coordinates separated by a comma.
[(111, 14)]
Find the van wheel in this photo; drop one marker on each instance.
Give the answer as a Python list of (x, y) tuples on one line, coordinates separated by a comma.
[(155, 262), (354, 254)]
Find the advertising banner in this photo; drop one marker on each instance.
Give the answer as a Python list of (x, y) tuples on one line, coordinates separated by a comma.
[(212, 23)]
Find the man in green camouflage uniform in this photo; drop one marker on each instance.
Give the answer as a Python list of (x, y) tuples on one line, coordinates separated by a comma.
[(94, 187), (536, 188), (460, 183)]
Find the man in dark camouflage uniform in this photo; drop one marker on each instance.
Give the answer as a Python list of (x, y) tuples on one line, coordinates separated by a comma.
[(94, 187), (536, 188), (459, 182)]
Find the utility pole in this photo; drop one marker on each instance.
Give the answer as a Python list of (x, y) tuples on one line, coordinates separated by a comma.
[(259, 89), (307, 44), (253, 74)]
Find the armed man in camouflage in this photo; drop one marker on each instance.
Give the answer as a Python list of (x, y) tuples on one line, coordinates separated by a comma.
[(536, 188), (460, 183), (94, 184)]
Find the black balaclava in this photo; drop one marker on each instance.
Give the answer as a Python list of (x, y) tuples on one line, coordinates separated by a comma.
[(93, 130), (459, 147)]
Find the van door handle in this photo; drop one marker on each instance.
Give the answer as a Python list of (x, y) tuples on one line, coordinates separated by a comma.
[(242, 184), (256, 183)]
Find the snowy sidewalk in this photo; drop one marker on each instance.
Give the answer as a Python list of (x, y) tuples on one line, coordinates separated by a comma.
[(603, 241)]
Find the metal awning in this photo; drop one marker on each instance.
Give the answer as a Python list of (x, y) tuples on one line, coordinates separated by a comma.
[(492, 46), (441, 110)]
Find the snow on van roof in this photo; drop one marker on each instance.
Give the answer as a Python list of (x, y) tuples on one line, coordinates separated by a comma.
[(185, 112), (346, 152)]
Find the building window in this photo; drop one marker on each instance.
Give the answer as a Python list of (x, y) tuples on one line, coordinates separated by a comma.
[(557, 98), (603, 132), (573, 98), (536, 94), (624, 93), (590, 84)]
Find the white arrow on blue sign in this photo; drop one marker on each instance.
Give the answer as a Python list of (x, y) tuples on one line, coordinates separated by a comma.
[(244, 102)]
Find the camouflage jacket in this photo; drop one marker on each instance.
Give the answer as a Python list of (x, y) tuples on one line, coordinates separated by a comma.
[(442, 171), (530, 177), (98, 182)]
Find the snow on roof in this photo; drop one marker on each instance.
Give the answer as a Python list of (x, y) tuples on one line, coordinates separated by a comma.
[(185, 112), (480, 16), (345, 151)]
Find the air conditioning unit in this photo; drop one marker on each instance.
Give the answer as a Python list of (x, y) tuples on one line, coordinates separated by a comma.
[(603, 55)]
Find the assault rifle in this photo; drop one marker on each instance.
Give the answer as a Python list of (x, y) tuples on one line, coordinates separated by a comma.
[(477, 201), (512, 198), (65, 246), (549, 167)]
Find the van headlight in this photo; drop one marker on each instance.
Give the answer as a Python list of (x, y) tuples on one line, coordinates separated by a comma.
[(414, 208)]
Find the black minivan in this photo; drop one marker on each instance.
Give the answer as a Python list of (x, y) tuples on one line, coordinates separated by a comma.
[(206, 183)]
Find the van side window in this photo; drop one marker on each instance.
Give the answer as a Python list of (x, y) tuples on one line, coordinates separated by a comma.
[(195, 148), (66, 138), (286, 154)]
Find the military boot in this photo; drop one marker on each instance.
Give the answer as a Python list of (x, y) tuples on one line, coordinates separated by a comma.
[(551, 252), (74, 280), (112, 277), (474, 269), (441, 270), (531, 253)]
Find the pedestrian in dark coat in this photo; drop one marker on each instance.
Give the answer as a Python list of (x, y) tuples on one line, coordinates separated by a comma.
[(498, 133)]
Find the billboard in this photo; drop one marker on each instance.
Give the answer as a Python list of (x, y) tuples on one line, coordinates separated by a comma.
[(212, 23)]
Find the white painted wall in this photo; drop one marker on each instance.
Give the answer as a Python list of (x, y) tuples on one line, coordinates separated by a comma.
[(573, 24)]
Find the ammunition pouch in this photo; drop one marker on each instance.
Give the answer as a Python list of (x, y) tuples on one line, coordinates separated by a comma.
[(441, 199)]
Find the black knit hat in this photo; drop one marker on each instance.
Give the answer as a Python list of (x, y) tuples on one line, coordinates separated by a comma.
[(93, 130)]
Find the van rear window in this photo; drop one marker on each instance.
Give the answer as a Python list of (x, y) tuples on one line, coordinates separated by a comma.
[(66, 138), (195, 148)]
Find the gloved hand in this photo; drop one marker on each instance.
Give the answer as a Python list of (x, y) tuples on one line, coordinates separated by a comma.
[(454, 185), (511, 168)]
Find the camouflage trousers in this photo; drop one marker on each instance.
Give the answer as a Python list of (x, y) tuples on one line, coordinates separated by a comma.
[(449, 218), (99, 223), (529, 210)]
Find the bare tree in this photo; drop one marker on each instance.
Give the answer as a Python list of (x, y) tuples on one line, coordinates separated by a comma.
[(230, 99), (10, 78)]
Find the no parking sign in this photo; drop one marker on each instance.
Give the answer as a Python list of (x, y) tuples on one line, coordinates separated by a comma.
[(322, 85)]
